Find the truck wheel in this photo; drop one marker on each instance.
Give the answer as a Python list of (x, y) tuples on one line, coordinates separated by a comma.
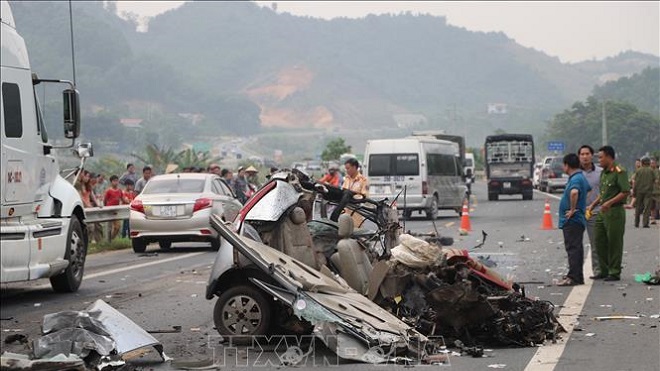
[(432, 211), (242, 310), (75, 254), (138, 245), (165, 245), (493, 197)]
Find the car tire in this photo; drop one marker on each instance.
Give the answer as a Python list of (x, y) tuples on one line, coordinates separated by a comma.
[(493, 197), (75, 254), (528, 196), (165, 245), (432, 211), (139, 245), (407, 214), (240, 308)]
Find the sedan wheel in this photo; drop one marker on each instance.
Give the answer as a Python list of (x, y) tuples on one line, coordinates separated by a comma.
[(242, 311)]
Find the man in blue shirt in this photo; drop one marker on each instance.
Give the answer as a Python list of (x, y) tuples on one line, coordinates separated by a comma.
[(572, 220)]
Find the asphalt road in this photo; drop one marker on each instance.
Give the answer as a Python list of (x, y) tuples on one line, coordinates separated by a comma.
[(158, 291)]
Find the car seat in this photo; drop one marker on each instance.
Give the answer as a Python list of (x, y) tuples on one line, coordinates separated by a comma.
[(351, 259)]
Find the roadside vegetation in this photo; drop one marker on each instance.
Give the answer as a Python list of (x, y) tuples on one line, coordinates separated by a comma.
[(116, 244)]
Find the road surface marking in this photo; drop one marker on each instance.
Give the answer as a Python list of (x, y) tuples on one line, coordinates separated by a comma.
[(549, 195), (130, 267), (547, 357), (118, 270)]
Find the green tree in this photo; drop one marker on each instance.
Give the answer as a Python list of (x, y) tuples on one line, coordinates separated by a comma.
[(631, 132), (191, 158), (334, 149), (157, 157)]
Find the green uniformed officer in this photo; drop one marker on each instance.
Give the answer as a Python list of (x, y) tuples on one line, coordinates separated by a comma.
[(643, 191), (611, 221)]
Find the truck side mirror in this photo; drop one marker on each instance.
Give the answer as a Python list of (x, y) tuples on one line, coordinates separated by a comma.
[(70, 97)]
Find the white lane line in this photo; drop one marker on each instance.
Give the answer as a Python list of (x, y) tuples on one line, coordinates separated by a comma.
[(131, 267), (143, 265), (548, 195), (547, 356)]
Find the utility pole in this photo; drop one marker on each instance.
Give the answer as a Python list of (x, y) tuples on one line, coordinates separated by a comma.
[(604, 119)]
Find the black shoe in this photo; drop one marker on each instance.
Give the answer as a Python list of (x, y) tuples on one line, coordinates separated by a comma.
[(612, 278), (598, 277), (646, 226)]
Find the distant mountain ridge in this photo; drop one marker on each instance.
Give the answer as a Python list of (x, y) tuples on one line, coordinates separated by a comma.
[(243, 66)]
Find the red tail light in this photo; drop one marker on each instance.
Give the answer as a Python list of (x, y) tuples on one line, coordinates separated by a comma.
[(425, 188), (202, 203), (551, 175), (136, 205)]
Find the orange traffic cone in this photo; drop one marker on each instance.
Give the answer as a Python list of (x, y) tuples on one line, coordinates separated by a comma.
[(547, 217), (465, 218)]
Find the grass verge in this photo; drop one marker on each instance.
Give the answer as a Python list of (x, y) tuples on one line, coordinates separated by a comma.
[(116, 244)]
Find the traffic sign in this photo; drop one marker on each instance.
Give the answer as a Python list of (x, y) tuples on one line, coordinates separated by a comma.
[(556, 146)]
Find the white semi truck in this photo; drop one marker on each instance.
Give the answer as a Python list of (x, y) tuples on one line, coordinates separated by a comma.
[(42, 221)]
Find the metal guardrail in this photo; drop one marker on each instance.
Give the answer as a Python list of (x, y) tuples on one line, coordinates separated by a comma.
[(106, 213)]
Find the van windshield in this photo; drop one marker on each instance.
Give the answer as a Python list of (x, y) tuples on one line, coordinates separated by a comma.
[(394, 164)]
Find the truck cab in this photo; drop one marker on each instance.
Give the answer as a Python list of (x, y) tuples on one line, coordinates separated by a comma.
[(41, 215)]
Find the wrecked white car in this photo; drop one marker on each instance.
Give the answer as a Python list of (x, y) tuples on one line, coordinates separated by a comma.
[(283, 268)]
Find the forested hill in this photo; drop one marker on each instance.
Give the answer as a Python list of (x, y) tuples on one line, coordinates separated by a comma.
[(243, 66)]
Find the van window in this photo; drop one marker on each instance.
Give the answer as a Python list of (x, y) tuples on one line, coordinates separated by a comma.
[(441, 164), (468, 162), (394, 164), (11, 100)]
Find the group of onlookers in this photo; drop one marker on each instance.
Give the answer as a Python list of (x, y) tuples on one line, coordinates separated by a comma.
[(95, 191)]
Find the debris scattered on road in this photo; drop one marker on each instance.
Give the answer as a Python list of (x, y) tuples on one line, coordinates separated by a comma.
[(37, 304), (195, 329), (206, 364), (590, 334), (173, 330), (149, 254), (606, 306), (96, 337), (497, 365), (15, 361), (6, 318), (16, 338), (606, 318)]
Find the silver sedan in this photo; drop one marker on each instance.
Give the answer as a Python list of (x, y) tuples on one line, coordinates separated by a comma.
[(177, 208)]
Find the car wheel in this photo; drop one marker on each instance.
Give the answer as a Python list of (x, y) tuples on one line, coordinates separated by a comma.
[(138, 245), (165, 245), (76, 252), (493, 197), (407, 214), (432, 211), (242, 311), (528, 196)]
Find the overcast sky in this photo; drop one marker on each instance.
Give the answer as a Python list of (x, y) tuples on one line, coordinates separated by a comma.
[(572, 31)]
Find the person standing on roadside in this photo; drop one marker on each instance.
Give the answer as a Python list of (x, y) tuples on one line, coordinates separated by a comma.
[(572, 219), (353, 180), (129, 174), (114, 197), (643, 191), (241, 185), (592, 173), (146, 175), (611, 221)]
